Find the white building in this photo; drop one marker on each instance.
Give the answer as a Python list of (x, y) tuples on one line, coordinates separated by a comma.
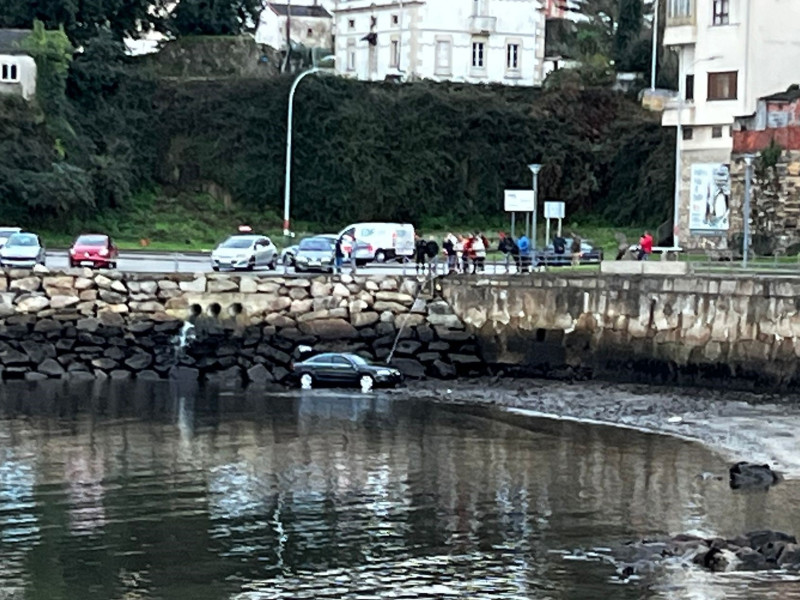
[(17, 68), (311, 25), (473, 41), (731, 53)]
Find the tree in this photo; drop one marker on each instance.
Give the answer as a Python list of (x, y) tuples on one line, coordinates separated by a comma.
[(628, 33), (214, 17)]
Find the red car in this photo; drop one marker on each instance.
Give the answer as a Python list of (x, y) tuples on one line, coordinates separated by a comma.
[(93, 250)]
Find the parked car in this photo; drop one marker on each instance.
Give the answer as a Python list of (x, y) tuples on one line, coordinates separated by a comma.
[(549, 257), (245, 252), (288, 254), (315, 254), (344, 369), (22, 250), (382, 241), (93, 250), (7, 232)]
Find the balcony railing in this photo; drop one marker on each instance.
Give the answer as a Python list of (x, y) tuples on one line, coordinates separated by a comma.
[(479, 24)]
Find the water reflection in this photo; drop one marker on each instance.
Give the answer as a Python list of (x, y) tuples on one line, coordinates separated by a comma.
[(170, 490)]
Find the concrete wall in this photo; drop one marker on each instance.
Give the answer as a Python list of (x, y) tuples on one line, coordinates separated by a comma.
[(729, 331)]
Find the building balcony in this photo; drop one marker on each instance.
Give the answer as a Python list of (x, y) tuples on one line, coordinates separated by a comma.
[(483, 25), (680, 35), (678, 112)]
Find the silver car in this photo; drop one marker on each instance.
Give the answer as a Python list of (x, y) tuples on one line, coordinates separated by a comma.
[(23, 250), (245, 252), (315, 254), (7, 232)]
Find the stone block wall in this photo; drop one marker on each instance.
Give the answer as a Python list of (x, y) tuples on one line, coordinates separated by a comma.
[(81, 324), (727, 331)]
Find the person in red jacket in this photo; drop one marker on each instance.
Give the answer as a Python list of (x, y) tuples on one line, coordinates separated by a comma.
[(645, 246)]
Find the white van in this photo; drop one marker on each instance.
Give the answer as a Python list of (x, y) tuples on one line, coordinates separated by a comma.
[(379, 242)]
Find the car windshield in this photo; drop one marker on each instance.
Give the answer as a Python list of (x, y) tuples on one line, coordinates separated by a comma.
[(91, 240), (22, 239), (315, 244), (237, 242)]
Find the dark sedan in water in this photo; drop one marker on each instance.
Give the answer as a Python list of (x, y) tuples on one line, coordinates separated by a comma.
[(344, 369)]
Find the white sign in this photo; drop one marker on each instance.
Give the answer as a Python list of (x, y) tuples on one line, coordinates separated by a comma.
[(553, 210), (519, 200), (710, 200)]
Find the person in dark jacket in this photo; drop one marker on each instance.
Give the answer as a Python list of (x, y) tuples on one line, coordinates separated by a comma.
[(449, 247), (338, 255), (420, 251)]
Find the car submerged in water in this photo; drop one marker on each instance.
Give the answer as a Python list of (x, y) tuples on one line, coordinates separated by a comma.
[(346, 370)]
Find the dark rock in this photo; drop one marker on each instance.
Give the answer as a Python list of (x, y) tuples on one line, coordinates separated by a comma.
[(384, 328), (329, 329), (464, 359), (368, 333), (425, 334), (119, 374), (139, 361), (428, 357), (409, 367), (106, 364), (51, 368), (47, 326), (65, 344), (442, 370), (38, 351), (749, 476), (227, 350), (77, 366), (439, 347), (226, 362), (386, 340), (751, 560), (80, 376), (790, 556), (88, 350), (110, 319), (14, 357), (88, 324), (452, 335), (259, 374), (408, 347), (100, 375), (280, 373), (115, 353), (111, 297), (184, 373), (147, 375), (34, 376), (170, 327), (140, 326)]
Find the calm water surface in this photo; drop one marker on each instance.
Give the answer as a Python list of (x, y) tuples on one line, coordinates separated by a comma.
[(170, 492)]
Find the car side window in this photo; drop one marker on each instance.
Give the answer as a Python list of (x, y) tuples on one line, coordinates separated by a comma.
[(340, 361), (265, 242)]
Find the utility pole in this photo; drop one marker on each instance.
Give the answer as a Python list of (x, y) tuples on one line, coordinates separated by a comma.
[(288, 35), (653, 61)]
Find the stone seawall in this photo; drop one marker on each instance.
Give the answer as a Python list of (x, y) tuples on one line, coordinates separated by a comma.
[(83, 324), (731, 331)]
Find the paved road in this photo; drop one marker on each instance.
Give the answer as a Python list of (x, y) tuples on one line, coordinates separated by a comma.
[(168, 262)]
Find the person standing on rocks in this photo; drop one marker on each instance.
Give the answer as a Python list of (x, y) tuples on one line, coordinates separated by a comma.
[(524, 246), (420, 250), (449, 246), (338, 255)]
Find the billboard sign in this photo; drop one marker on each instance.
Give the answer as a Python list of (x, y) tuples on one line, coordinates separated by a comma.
[(518, 201), (553, 210), (710, 198)]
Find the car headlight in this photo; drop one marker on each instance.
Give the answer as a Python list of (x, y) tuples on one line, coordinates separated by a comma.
[(384, 373)]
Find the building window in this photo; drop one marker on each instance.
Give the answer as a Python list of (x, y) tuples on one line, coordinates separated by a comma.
[(351, 23), (309, 32), (678, 9), (716, 131), (721, 12), (351, 55), (689, 87), (395, 19), (443, 57), (688, 133), (512, 57), (478, 55), (394, 58), (9, 72), (722, 86)]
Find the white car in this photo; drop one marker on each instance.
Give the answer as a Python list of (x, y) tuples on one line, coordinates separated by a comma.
[(7, 232), (245, 252), (24, 250)]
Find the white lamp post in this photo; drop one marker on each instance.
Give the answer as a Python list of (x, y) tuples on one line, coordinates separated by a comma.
[(535, 168), (287, 186)]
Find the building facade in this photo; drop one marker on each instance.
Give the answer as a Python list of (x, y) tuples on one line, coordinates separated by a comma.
[(17, 68), (471, 41), (731, 53), (310, 25)]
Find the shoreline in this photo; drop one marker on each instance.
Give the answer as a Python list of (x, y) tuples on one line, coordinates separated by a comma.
[(740, 426)]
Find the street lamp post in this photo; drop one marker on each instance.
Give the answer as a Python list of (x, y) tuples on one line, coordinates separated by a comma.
[(748, 177), (535, 168), (654, 56), (287, 186)]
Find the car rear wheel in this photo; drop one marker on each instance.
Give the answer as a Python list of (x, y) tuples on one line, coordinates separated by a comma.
[(306, 381), (367, 382)]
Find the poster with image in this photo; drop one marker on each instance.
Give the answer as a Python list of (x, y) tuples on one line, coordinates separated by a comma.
[(710, 198)]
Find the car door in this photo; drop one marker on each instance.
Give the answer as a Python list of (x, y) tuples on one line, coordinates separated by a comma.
[(269, 251), (344, 371)]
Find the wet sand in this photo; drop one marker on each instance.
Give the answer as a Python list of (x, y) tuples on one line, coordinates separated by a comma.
[(741, 426)]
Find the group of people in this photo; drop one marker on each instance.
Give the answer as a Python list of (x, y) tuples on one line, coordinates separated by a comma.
[(461, 254)]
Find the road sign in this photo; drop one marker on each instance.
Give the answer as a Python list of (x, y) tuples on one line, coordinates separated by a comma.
[(519, 200), (553, 210)]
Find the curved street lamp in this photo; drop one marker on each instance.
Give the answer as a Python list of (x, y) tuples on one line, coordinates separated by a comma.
[(287, 189)]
